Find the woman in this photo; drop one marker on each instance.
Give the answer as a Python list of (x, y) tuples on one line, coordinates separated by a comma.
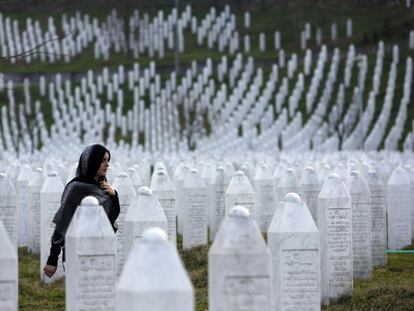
[(90, 180)]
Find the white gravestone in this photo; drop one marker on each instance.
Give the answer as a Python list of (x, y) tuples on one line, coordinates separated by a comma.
[(50, 198), (8, 208), (35, 185), (195, 211), (265, 198), (154, 277), (399, 209), (309, 190), (378, 220), (288, 182), (90, 259), (144, 212), (22, 190), (221, 181), (361, 227), (126, 192), (8, 273), (335, 229), (294, 244), (239, 265), (164, 190), (240, 192), (410, 174)]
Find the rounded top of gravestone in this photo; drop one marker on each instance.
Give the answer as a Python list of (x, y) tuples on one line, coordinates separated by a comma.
[(309, 169), (355, 174), (161, 172), (240, 211), (193, 171), (52, 174), (154, 234), (144, 191), (290, 170), (292, 198), (122, 175), (38, 170), (3, 175), (89, 201), (333, 176), (239, 174), (220, 169)]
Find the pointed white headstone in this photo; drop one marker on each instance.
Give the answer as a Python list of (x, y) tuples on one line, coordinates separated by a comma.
[(240, 192), (399, 209), (195, 211), (288, 182), (335, 229), (35, 185), (154, 278), (90, 259), (8, 208), (378, 220), (220, 183), (144, 212), (50, 198), (126, 192), (265, 198), (361, 227), (8, 272), (164, 190), (23, 195), (294, 244), (239, 265), (309, 189)]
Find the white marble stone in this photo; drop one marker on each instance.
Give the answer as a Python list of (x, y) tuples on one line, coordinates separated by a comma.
[(240, 192), (35, 185), (144, 212), (23, 194), (294, 244), (50, 198), (218, 209), (9, 277), (90, 259), (410, 174), (265, 198), (361, 227), (335, 229), (378, 220), (310, 188), (8, 208), (154, 277), (399, 209), (126, 193), (195, 211), (164, 190), (239, 265), (288, 182)]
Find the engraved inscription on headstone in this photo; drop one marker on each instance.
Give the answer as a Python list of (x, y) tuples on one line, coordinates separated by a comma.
[(96, 280)]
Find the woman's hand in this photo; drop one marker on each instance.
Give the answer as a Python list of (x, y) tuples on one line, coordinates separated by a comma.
[(49, 270), (106, 186)]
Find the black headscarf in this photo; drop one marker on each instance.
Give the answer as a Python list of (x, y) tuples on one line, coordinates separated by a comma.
[(89, 163), (84, 184)]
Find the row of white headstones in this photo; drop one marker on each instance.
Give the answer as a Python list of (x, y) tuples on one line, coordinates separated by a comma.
[(84, 112), (318, 243), (145, 36)]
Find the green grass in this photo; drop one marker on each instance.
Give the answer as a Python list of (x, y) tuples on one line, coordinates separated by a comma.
[(391, 288)]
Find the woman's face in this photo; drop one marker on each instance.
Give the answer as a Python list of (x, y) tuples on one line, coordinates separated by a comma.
[(104, 166)]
